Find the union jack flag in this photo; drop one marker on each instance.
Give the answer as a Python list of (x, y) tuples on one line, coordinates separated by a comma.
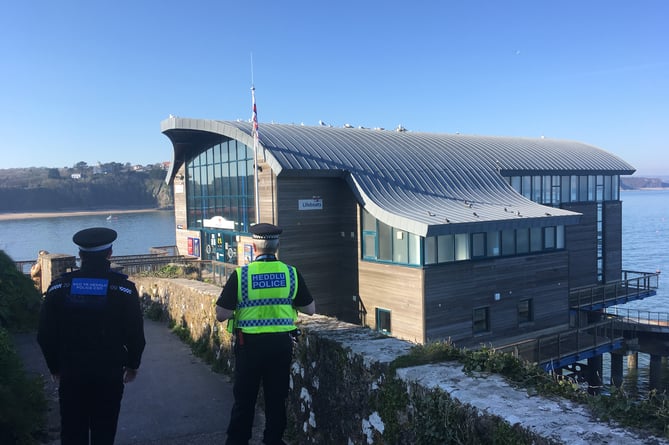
[(255, 114)]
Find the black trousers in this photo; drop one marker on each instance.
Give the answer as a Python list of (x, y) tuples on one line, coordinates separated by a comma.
[(89, 407), (266, 359)]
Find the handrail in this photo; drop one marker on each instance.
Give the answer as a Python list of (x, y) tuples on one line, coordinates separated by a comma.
[(635, 316), (24, 266), (553, 347), (635, 285)]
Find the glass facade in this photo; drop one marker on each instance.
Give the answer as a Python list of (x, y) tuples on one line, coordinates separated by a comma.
[(220, 184), (221, 198)]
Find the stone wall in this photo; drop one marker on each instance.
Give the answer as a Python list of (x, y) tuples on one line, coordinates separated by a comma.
[(343, 390), (53, 265)]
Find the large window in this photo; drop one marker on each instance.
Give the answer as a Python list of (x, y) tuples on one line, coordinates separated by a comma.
[(554, 190), (381, 242), (220, 183)]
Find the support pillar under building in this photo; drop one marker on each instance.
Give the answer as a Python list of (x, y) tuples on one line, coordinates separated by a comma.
[(616, 369), (594, 374), (655, 374)]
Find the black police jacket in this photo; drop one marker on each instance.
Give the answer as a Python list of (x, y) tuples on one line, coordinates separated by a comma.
[(91, 322)]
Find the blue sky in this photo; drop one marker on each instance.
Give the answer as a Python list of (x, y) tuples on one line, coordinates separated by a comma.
[(92, 80)]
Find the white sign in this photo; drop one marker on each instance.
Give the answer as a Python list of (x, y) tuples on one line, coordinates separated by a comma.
[(218, 222), (310, 204)]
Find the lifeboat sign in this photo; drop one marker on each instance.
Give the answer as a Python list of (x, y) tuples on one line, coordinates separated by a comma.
[(310, 204), (218, 222)]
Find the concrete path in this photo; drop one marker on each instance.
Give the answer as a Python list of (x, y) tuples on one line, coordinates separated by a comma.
[(175, 400)]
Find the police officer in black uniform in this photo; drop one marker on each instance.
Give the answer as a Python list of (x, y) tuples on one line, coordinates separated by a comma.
[(92, 336), (263, 328)]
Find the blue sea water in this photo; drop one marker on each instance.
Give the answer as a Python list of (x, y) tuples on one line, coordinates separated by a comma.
[(646, 241), (137, 233)]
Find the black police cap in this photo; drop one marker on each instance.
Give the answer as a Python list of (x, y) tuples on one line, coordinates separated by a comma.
[(94, 239), (266, 231)]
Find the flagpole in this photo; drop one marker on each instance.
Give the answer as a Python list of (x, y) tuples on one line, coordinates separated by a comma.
[(255, 153)]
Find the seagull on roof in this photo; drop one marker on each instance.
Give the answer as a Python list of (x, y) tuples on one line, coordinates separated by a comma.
[(322, 124)]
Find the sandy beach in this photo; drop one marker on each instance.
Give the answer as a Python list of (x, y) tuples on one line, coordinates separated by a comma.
[(33, 215)]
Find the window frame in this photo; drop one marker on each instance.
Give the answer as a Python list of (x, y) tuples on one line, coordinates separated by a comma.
[(485, 320), (383, 312), (529, 318)]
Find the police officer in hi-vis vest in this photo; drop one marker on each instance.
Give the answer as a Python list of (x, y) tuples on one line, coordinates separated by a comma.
[(91, 333), (261, 300)]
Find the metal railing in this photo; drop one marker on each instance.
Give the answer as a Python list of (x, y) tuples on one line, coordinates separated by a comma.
[(24, 266), (555, 347), (633, 286), (159, 257), (639, 316), (146, 263)]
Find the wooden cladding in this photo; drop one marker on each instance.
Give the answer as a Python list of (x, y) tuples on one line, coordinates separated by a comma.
[(581, 241), (321, 242), (454, 290), (613, 242), (398, 289)]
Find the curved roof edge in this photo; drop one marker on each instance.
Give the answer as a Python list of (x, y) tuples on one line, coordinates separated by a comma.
[(176, 127), (440, 227)]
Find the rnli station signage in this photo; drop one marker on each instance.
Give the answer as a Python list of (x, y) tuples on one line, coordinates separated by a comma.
[(310, 204)]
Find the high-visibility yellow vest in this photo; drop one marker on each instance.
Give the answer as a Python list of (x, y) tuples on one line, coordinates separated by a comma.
[(266, 290)]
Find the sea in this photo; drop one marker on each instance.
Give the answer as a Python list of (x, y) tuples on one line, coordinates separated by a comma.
[(22, 239), (645, 238)]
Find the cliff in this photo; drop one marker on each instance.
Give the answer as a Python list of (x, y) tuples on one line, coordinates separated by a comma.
[(82, 187), (634, 183)]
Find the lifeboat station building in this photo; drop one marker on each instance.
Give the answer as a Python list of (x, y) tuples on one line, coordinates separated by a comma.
[(476, 239)]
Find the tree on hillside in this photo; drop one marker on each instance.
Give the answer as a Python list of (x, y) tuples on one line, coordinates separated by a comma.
[(53, 173), (112, 167)]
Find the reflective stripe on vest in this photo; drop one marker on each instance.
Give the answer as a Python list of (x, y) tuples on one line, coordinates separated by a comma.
[(266, 293)]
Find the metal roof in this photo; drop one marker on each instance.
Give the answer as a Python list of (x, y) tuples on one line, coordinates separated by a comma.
[(424, 183)]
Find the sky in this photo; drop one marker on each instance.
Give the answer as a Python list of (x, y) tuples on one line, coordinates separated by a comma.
[(91, 81)]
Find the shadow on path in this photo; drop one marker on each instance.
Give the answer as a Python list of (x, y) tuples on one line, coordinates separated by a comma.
[(176, 398)]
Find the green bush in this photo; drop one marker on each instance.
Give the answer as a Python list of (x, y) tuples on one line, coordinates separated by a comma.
[(19, 300), (174, 271), (22, 402)]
